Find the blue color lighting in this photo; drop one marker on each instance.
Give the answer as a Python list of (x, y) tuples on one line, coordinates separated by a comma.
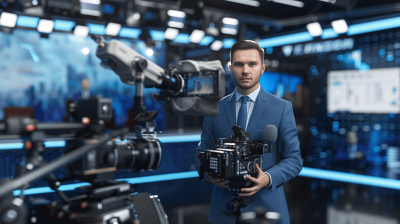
[(350, 178), (130, 32), (206, 40), (306, 172), (183, 138), (373, 26), (64, 25), (27, 21), (228, 43), (182, 38), (285, 39), (96, 28), (54, 144), (157, 35), (329, 33), (7, 146)]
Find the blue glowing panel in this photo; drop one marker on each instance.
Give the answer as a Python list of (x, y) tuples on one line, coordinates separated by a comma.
[(228, 43), (329, 33), (182, 38), (130, 32), (8, 146), (285, 39), (183, 138), (373, 26), (96, 28), (51, 144), (157, 35), (207, 40), (64, 25), (27, 21)]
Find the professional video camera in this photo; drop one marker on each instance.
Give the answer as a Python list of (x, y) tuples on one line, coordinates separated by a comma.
[(233, 159), (106, 200)]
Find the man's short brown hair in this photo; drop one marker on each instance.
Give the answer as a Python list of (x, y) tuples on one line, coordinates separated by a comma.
[(246, 45)]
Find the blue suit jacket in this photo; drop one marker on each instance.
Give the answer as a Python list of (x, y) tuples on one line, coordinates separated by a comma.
[(282, 164)]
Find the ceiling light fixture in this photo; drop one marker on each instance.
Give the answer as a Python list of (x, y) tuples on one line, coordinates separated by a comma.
[(246, 2), (314, 29), (290, 2), (340, 26)]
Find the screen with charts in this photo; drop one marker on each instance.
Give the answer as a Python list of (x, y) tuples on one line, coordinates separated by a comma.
[(372, 91)]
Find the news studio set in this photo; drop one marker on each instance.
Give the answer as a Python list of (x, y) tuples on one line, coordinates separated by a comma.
[(123, 111)]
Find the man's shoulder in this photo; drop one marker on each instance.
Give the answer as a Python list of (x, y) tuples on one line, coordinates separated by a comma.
[(272, 98), (226, 98)]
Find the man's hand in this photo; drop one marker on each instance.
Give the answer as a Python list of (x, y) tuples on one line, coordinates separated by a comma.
[(261, 181), (218, 181)]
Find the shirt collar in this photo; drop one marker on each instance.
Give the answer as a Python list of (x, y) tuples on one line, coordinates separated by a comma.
[(253, 95)]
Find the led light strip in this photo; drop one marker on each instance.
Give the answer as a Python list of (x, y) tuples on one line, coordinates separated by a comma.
[(306, 172), (55, 144)]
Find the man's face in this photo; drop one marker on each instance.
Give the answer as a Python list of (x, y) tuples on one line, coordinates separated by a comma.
[(246, 68), (85, 84)]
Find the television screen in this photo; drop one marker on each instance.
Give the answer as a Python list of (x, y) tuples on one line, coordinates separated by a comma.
[(371, 91), (41, 73)]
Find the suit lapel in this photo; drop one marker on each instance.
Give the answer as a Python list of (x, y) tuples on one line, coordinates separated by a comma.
[(258, 110), (230, 109)]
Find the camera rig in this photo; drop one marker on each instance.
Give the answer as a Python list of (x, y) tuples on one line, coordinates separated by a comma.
[(94, 156), (234, 159)]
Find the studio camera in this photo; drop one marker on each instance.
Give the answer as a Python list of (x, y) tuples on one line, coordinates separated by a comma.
[(234, 159)]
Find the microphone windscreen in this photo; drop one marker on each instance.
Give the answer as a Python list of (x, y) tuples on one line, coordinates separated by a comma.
[(270, 133)]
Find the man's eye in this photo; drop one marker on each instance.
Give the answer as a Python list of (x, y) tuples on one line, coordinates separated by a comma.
[(238, 64), (253, 64)]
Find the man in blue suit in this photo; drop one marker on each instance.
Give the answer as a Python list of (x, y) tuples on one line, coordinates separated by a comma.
[(250, 107)]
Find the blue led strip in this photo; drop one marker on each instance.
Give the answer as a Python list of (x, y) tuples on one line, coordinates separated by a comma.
[(64, 25), (27, 21), (350, 178), (329, 33), (306, 172), (130, 32), (54, 144), (285, 39), (96, 29), (373, 26), (182, 38)]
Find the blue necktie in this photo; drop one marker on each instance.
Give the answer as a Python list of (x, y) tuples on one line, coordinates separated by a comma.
[(242, 116)]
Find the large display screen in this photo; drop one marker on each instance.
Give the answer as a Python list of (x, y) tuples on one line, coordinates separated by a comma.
[(41, 73), (372, 91)]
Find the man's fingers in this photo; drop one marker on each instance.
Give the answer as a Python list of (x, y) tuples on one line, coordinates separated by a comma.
[(258, 168), (251, 178), (249, 189), (246, 194)]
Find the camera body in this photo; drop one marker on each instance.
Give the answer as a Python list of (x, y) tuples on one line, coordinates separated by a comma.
[(233, 159)]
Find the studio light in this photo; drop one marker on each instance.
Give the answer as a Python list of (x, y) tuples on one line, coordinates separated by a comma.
[(176, 24), (45, 26), (340, 26), (230, 31), (314, 29), (149, 52), (216, 46), (254, 3), (171, 33), (81, 31), (230, 21), (178, 14), (8, 19), (113, 29), (90, 7), (85, 51), (196, 36), (294, 3)]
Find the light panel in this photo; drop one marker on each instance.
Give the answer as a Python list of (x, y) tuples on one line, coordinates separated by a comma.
[(230, 21), (171, 33), (340, 26), (246, 2), (45, 26), (216, 45), (196, 36), (175, 13), (314, 29), (113, 29), (176, 24), (81, 31), (8, 19)]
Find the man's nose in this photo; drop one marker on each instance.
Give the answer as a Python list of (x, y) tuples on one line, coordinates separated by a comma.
[(246, 69)]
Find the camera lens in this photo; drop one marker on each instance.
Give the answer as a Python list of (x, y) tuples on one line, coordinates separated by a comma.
[(232, 205), (138, 154)]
